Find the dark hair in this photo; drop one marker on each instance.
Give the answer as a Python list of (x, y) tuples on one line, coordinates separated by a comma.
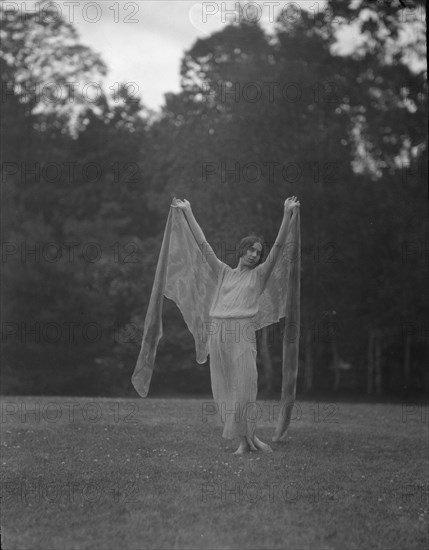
[(249, 241)]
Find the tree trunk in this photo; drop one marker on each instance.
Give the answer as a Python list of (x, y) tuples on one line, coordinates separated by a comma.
[(377, 365), (370, 376), (308, 382), (336, 364), (407, 360), (266, 360)]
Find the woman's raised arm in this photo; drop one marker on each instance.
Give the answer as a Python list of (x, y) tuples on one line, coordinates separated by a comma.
[(206, 250), (290, 206)]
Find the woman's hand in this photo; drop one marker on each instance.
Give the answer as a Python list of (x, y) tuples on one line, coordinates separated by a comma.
[(291, 203), (183, 205)]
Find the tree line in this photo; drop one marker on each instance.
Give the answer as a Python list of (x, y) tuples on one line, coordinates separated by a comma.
[(87, 183)]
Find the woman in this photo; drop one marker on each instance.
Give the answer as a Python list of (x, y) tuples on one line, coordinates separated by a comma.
[(232, 339)]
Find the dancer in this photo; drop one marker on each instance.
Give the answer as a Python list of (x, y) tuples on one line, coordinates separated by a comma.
[(231, 330)]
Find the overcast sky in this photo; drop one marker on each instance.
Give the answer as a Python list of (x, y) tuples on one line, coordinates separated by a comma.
[(143, 41)]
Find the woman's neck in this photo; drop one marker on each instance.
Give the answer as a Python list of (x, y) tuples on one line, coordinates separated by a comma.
[(242, 267)]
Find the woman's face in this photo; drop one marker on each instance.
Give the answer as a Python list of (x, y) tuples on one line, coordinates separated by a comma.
[(252, 255)]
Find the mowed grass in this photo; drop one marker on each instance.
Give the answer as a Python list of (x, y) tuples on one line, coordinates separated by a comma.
[(156, 473)]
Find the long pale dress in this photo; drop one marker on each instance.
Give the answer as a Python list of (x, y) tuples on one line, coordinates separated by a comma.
[(232, 349)]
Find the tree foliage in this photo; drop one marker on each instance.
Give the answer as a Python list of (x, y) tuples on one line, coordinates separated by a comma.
[(87, 185)]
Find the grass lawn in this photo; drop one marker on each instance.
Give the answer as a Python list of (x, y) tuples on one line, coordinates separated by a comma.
[(85, 473)]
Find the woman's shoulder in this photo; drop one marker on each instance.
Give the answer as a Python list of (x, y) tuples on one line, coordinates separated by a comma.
[(259, 269), (224, 270)]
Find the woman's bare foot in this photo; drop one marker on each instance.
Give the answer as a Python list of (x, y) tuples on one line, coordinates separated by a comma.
[(244, 447), (262, 446), (251, 444)]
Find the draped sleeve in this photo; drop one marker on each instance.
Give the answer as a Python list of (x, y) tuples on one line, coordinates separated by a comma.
[(272, 302), (183, 275), (281, 299)]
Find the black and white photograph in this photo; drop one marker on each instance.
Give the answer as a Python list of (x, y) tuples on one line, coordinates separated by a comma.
[(214, 268)]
